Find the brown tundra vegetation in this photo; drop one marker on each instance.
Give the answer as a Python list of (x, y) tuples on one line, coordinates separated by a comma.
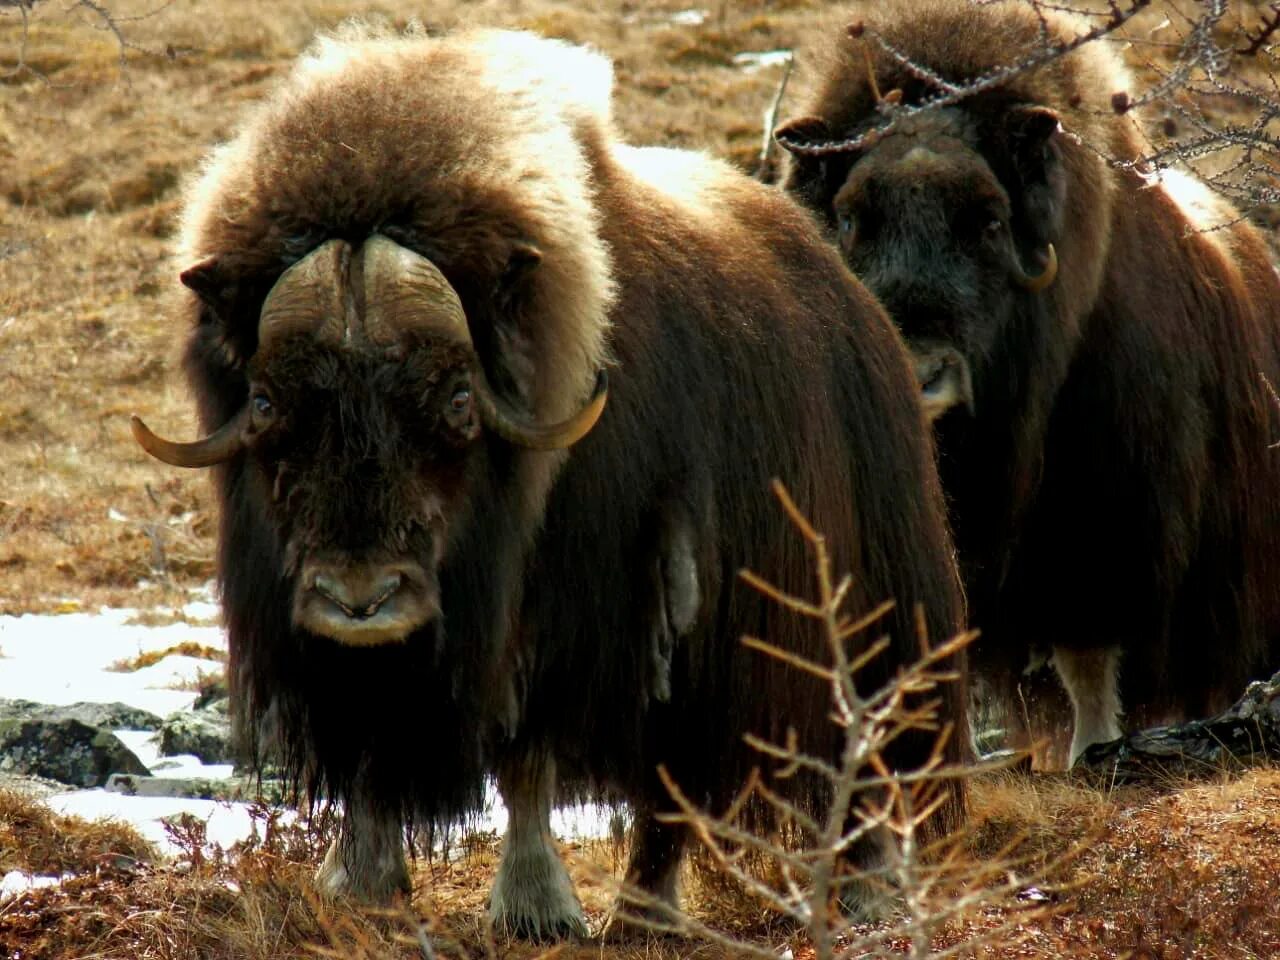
[(92, 159)]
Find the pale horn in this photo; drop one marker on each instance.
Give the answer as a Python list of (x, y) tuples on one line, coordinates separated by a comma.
[(311, 296), (221, 445), (403, 289), (1042, 281)]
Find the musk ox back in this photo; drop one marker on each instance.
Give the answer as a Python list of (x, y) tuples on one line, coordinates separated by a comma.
[(1091, 343), (450, 544)]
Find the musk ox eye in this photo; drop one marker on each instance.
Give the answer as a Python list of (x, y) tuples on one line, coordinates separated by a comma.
[(262, 405), (993, 229), (845, 226), (460, 402)]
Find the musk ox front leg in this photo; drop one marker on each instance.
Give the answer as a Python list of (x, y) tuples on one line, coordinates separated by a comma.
[(1092, 679), (533, 895), (366, 860)]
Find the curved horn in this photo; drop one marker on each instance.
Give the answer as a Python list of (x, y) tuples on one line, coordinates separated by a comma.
[(1042, 281), (312, 296), (405, 289), (221, 445), (505, 422)]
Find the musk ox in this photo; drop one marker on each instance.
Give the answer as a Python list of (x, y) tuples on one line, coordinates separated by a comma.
[(448, 548), (1091, 342)]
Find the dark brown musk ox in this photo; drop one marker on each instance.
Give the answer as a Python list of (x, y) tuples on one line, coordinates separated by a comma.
[(447, 549), (1091, 341)]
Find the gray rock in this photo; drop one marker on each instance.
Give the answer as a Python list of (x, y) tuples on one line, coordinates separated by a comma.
[(205, 734), (201, 788), (108, 716), (213, 694), (67, 750), (1246, 733)]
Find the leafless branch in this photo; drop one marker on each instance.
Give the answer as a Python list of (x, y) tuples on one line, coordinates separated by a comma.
[(767, 167), (94, 15), (951, 93), (936, 883)]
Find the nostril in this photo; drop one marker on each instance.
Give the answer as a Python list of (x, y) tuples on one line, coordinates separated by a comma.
[(335, 592), (359, 601), (384, 591)]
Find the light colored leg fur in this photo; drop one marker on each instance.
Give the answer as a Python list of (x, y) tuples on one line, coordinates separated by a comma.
[(1092, 679), (532, 895), (366, 861)]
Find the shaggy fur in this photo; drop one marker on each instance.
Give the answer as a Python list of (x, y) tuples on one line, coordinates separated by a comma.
[(1113, 487), (738, 347)]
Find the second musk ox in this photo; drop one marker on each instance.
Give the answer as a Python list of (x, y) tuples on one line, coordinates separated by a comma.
[(1091, 342), (447, 548)]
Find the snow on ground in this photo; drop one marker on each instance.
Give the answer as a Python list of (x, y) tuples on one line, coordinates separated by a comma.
[(64, 658)]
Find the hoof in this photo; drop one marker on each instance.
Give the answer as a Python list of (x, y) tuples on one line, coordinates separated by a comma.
[(626, 929), (867, 902), (537, 904), (377, 884)]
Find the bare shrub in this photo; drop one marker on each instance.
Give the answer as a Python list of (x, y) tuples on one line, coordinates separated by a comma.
[(87, 14), (801, 871)]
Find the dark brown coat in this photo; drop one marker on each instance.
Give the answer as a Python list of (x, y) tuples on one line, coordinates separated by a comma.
[(738, 350), (1113, 485)]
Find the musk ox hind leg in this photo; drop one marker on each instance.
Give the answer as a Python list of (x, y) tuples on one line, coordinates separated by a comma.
[(654, 869), (1092, 679), (532, 896), (366, 860)]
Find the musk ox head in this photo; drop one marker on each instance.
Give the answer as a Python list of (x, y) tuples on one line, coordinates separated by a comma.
[(365, 405), (950, 218)]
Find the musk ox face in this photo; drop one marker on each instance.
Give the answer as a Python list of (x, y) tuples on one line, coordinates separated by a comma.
[(937, 219), (365, 408)]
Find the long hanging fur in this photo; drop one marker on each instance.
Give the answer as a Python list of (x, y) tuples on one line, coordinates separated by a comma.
[(1118, 485), (738, 350)]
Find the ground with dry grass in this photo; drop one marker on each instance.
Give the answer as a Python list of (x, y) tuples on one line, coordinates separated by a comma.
[(1179, 871), (92, 158)]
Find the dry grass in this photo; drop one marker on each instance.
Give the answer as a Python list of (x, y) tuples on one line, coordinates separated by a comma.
[(188, 648), (91, 162), (92, 158), (1180, 871)]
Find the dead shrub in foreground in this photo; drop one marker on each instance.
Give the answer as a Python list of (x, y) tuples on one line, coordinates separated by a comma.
[(800, 871)]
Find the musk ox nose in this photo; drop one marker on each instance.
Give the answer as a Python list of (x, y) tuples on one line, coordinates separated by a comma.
[(361, 599), (365, 604)]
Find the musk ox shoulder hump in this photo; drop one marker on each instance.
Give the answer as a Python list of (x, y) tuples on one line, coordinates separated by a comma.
[(689, 178), (575, 81)]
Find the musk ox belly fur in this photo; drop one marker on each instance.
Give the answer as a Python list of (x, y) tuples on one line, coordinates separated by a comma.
[(415, 258), (1108, 451)]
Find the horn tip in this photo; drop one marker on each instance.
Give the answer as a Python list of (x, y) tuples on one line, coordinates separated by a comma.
[(141, 432)]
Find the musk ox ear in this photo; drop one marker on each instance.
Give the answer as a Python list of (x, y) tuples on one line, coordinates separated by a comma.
[(802, 131), (500, 328), (213, 284), (1030, 134), (522, 260), (813, 180)]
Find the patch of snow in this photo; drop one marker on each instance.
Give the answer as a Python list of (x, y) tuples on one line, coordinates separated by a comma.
[(203, 610), (63, 658), (176, 670), (225, 823), (582, 821), (15, 883), (693, 17), (754, 61), (145, 745)]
